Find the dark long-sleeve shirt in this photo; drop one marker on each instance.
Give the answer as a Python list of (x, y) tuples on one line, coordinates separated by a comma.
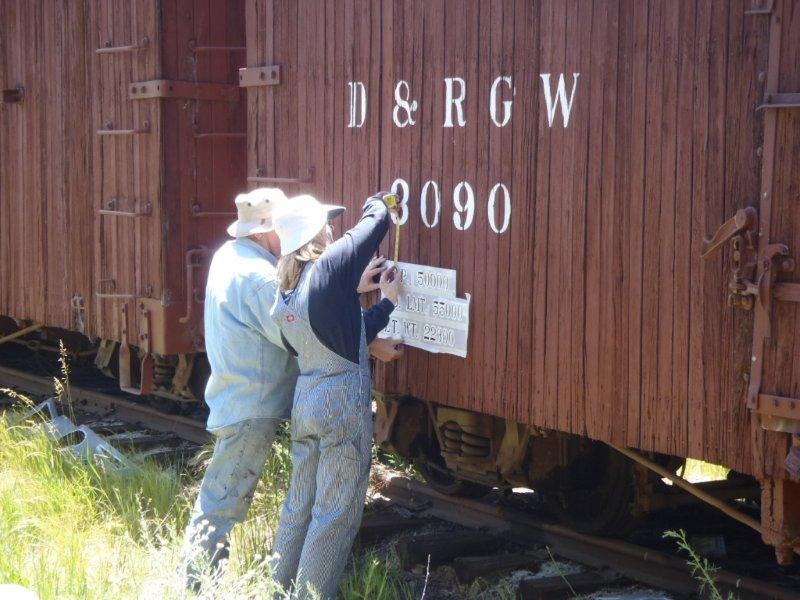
[(333, 305)]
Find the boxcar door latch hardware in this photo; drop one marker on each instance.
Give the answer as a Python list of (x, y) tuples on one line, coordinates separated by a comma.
[(13, 95), (741, 231)]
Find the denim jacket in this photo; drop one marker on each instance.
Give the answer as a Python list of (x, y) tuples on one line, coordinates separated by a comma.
[(252, 375)]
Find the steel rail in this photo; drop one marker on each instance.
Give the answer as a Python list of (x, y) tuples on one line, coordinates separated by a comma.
[(120, 407), (635, 562)]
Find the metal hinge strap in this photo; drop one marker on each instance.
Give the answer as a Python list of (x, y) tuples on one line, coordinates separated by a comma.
[(778, 406), (173, 88), (258, 76)]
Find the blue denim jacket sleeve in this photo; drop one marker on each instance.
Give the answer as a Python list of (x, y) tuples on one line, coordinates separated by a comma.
[(258, 304), (252, 375)]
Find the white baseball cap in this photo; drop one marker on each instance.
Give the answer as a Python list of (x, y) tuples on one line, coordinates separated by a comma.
[(255, 211), (298, 220)]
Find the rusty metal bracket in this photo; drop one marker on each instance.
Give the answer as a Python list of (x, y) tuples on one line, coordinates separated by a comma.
[(127, 354), (306, 177), (258, 76), (778, 406), (780, 100), (173, 88), (109, 130), (13, 95), (109, 48), (194, 260), (146, 211)]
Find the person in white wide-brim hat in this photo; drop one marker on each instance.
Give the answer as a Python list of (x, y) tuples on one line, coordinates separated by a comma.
[(320, 318), (252, 378), (254, 213)]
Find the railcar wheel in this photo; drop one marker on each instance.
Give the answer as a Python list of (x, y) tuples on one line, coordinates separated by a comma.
[(433, 469), (595, 493)]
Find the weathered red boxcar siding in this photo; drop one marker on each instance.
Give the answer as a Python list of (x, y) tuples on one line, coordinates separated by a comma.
[(129, 260), (593, 313), (79, 144), (45, 238)]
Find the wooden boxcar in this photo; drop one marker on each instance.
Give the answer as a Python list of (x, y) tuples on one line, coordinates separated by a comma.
[(568, 159), (122, 136)]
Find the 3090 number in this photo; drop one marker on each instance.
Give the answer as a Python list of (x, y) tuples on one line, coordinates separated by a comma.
[(430, 205)]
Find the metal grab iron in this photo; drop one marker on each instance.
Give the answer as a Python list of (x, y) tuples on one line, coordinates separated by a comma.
[(745, 220)]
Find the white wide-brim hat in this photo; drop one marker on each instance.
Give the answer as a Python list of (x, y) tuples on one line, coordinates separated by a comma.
[(298, 221), (255, 210)]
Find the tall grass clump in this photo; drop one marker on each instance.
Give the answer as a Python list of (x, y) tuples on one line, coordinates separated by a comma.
[(376, 578), (74, 527), (71, 528)]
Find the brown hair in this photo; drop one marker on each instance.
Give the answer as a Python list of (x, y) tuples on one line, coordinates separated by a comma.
[(290, 267)]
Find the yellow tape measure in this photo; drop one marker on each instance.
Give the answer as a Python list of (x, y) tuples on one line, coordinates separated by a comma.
[(392, 201)]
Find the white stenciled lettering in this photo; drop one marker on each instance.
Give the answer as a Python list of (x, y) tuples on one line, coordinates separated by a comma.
[(561, 97), (398, 186), (358, 99), (415, 303), (452, 101), (467, 209), (439, 335), (448, 310), (437, 204), (506, 103), (401, 103), (426, 279), (506, 208), (410, 330)]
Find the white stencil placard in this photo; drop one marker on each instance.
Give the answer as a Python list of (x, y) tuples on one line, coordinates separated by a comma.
[(429, 315)]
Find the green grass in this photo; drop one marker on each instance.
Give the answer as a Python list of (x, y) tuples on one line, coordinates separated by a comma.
[(72, 529)]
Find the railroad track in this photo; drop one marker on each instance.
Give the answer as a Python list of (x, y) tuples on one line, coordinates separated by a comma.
[(607, 560), (108, 406), (131, 424)]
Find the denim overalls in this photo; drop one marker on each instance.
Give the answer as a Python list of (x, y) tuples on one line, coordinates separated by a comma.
[(331, 452)]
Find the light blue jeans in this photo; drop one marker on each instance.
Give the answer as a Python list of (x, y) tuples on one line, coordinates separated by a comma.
[(240, 451)]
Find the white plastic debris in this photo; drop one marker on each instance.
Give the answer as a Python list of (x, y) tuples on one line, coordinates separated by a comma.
[(84, 441)]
